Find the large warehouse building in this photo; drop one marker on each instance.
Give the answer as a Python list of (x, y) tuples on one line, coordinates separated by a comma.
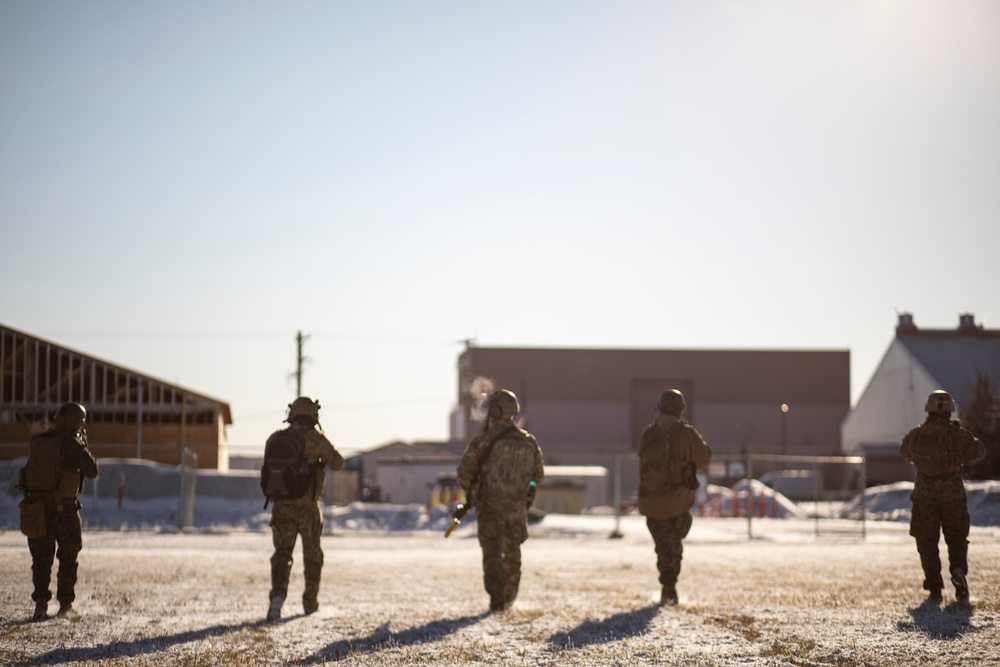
[(589, 406)]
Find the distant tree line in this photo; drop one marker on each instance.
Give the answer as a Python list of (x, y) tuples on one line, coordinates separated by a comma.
[(981, 416)]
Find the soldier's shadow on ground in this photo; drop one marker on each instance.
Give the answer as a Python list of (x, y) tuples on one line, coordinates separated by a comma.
[(126, 649), (613, 628), (936, 622), (383, 638)]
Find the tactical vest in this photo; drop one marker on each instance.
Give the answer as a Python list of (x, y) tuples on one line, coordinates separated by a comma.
[(43, 473), (935, 452)]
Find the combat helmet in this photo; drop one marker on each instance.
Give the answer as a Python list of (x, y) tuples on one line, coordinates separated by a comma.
[(671, 399), (502, 404), (303, 407), (940, 401), (70, 416)]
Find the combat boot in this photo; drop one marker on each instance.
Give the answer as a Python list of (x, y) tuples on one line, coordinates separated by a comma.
[(961, 585), (510, 589), (41, 612), (274, 611), (497, 604), (67, 612), (668, 596)]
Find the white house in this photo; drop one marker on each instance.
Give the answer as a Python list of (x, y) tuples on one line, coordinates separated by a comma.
[(917, 362)]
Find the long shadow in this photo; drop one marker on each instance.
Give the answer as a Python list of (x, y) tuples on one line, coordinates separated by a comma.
[(936, 622), (613, 628), (134, 647), (382, 637)]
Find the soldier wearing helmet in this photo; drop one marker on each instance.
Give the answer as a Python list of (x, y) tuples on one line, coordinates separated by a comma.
[(499, 471), (300, 515), (58, 460), (670, 453), (939, 448)]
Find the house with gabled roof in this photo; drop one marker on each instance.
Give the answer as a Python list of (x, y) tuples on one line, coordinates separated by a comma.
[(917, 362), (129, 414)]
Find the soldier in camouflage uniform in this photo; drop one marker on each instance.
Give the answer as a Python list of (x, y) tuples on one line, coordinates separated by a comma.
[(499, 471), (58, 460), (670, 452), (301, 516), (939, 448)]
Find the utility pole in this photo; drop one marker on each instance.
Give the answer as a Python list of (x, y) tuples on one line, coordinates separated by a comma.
[(299, 340)]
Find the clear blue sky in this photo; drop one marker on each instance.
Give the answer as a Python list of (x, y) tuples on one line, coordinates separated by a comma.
[(184, 185)]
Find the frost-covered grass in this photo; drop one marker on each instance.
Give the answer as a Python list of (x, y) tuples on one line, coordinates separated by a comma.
[(417, 599)]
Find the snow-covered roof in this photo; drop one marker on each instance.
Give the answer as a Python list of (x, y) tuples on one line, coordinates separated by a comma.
[(576, 471)]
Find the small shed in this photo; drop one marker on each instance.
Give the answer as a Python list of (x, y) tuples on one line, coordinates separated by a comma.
[(409, 479), (571, 489)]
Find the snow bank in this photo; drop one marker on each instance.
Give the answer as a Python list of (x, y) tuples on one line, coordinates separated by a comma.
[(384, 517), (891, 502)]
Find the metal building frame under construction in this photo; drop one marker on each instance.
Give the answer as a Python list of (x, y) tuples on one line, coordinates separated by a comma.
[(129, 415)]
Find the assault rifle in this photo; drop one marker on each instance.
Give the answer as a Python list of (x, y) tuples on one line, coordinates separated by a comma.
[(82, 433)]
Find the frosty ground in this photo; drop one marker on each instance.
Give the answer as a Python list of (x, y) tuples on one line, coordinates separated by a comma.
[(789, 596)]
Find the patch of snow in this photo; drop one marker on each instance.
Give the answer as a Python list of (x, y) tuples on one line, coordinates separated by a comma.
[(891, 502), (224, 513)]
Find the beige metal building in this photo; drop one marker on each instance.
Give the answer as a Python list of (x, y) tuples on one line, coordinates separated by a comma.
[(589, 406), (129, 414)]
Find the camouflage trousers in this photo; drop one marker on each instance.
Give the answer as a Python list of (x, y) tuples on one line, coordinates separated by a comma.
[(667, 536), (940, 505), (63, 539), (289, 519), (501, 536)]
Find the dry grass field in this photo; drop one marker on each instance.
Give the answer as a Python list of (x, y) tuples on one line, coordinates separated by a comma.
[(198, 600)]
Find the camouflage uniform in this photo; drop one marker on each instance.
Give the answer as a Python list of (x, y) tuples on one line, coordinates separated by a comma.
[(668, 535), (670, 451), (939, 448), (63, 527), (301, 516), (500, 496)]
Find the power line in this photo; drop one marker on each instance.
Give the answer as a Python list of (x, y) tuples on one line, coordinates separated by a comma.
[(404, 401), (166, 334), (349, 406), (256, 334)]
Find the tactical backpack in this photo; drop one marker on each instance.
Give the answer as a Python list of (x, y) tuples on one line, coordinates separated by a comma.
[(286, 475), (484, 456), (676, 472)]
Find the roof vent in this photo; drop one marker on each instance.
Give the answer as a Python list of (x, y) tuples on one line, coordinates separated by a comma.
[(966, 321)]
